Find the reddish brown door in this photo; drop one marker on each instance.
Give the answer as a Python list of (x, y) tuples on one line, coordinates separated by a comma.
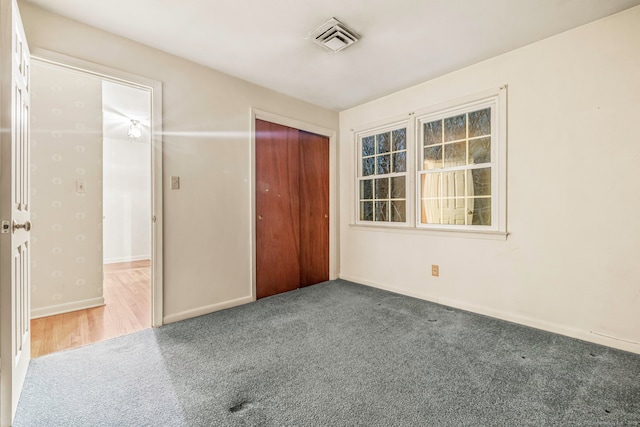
[(292, 209), (314, 208), (277, 209)]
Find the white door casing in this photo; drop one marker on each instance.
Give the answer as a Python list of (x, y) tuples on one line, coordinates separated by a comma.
[(155, 88), (14, 210)]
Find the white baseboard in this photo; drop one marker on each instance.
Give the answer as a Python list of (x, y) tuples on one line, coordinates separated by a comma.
[(52, 310), (360, 280), (585, 335), (188, 314), (126, 259)]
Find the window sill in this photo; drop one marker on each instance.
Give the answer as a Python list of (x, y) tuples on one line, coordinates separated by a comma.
[(466, 234)]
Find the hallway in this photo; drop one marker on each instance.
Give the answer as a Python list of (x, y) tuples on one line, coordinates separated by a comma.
[(127, 309)]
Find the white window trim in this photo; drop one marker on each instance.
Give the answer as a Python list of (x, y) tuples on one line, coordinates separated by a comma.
[(498, 229), (372, 131), (498, 158)]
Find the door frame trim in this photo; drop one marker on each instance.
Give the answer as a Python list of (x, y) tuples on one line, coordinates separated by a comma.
[(257, 114), (155, 88)]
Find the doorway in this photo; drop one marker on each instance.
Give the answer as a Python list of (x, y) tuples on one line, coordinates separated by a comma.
[(92, 175), (292, 208)]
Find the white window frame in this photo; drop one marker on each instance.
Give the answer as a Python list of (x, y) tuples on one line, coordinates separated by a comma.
[(408, 174), (496, 99)]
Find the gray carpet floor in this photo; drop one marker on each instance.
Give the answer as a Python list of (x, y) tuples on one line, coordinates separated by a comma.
[(335, 354)]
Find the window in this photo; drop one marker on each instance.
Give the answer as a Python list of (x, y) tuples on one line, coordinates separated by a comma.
[(456, 173), (382, 178), (459, 152)]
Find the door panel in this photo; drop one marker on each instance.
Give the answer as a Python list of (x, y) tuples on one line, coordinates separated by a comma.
[(314, 208), (277, 209), (14, 210)]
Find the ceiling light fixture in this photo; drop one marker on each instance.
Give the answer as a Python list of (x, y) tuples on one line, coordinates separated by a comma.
[(135, 129), (333, 35)]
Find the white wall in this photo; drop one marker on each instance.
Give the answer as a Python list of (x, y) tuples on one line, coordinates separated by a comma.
[(126, 174), (206, 120), (570, 263), (66, 147)]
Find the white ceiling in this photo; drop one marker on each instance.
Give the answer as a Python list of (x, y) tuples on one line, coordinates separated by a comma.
[(404, 42)]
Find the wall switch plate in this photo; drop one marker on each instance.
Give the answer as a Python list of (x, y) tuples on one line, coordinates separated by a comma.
[(435, 270), (175, 182), (81, 186)]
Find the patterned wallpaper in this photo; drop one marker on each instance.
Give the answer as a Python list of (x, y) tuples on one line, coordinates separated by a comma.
[(66, 150)]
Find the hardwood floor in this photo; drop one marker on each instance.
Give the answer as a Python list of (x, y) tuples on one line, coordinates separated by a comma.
[(127, 309)]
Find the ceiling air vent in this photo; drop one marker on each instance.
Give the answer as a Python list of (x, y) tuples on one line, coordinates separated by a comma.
[(333, 35)]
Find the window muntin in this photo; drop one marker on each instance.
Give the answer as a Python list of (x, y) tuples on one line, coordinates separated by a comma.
[(382, 181), (457, 172), (455, 177)]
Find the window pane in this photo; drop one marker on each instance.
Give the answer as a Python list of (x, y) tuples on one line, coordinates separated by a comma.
[(400, 162), (480, 123), (480, 182), (368, 166), (398, 187), (430, 185), (382, 213), (433, 133), (366, 189), (382, 164), (399, 140), (433, 157), (453, 184), (430, 211), (455, 154), (382, 188), (398, 211), (480, 151), (453, 211), (455, 128), (366, 211), (481, 209), (368, 146), (382, 142)]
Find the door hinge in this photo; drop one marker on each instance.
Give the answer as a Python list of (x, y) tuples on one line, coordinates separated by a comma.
[(6, 226), (153, 219)]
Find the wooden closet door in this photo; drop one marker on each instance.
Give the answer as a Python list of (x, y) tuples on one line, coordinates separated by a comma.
[(277, 209), (314, 208)]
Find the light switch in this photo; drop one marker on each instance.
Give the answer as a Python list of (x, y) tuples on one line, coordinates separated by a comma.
[(175, 182), (81, 186)]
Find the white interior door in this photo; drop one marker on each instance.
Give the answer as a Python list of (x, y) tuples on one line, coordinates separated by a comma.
[(453, 209), (14, 210)]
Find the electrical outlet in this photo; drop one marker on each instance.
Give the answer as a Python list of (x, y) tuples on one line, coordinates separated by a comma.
[(435, 270), (175, 182)]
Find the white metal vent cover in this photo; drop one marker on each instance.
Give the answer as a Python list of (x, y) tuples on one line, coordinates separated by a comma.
[(333, 35)]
